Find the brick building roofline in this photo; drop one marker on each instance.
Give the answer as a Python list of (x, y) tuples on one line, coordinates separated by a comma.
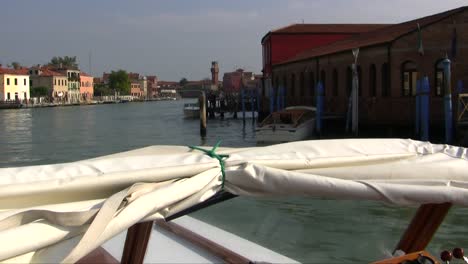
[(21, 71), (379, 36), (324, 29)]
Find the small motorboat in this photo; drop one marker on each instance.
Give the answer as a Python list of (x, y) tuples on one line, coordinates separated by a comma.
[(192, 110), (290, 124)]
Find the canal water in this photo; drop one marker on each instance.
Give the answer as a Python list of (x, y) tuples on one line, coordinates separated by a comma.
[(310, 231)]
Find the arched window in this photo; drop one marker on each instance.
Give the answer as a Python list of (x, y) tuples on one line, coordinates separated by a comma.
[(385, 80), (349, 81), (335, 82), (312, 83), (293, 85), (301, 85), (439, 78), (409, 76), (323, 79), (372, 81)]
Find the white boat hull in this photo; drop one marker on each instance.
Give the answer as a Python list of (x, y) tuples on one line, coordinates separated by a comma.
[(284, 132)]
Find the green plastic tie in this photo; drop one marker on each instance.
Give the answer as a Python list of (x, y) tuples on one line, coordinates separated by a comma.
[(220, 157)]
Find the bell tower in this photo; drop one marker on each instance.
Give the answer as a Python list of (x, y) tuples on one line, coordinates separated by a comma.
[(214, 73)]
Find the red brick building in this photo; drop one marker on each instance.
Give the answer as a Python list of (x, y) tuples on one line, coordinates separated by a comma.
[(284, 43), (232, 81), (388, 66)]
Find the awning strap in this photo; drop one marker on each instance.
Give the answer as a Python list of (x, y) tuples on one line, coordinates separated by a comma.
[(220, 157)]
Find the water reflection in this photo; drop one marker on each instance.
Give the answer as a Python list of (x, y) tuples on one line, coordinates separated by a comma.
[(62, 134), (16, 136)]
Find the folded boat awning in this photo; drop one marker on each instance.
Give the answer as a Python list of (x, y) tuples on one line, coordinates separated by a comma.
[(70, 209)]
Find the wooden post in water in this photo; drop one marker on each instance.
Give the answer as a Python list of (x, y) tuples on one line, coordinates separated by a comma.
[(448, 102), (355, 102), (202, 104), (272, 100), (243, 104), (252, 104), (319, 108), (278, 99), (418, 109), (424, 101)]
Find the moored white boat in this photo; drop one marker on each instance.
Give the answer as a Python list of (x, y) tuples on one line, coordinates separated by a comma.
[(290, 124), (191, 110)]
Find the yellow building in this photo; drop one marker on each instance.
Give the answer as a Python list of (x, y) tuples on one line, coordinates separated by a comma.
[(56, 82), (14, 84), (73, 77)]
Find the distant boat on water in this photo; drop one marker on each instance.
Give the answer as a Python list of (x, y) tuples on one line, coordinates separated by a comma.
[(191, 110)]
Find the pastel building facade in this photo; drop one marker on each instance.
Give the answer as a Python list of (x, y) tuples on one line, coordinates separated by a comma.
[(56, 82), (73, 77), (14, 84), (86, 86)]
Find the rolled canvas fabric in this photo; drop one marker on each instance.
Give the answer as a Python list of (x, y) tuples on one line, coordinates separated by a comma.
[(70, 209)]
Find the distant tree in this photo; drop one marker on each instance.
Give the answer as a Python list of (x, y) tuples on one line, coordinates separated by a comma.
[(15, 65), (101, 89), (40, 91), (183, 82), (66, 61), (119, 81)]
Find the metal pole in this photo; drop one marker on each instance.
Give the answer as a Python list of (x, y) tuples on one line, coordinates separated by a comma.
[(202, 104), (448, 101), (425, 92), (319, 108)]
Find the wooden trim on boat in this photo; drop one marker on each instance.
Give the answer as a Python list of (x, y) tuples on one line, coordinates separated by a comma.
[(136, 242), (227, 255), (409, 258), (423, 227), (99, 255)]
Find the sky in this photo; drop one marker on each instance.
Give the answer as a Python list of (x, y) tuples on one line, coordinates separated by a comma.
[(175, 39)]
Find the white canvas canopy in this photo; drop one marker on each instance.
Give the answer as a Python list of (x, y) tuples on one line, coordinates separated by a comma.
[(61, 212)]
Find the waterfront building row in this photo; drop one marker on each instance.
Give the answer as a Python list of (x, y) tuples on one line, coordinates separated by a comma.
[(62, 84)]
